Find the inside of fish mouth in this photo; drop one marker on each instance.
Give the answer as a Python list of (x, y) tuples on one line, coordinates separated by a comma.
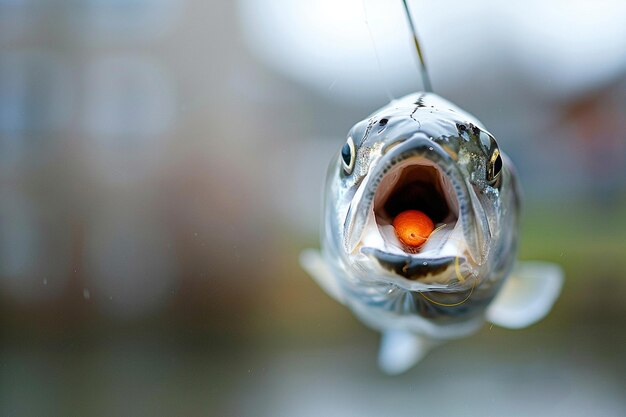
[(416, 184)]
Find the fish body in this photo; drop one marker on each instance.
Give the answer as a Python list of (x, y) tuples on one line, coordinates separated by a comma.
[(422, 152)]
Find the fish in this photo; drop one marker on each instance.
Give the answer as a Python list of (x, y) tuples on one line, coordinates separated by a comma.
[(422, 152)]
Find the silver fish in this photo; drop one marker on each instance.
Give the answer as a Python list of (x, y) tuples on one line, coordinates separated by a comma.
[(422, 152)]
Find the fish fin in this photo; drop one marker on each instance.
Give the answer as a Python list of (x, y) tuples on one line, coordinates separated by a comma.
[(527, 296), (312, 262), (401, 350)]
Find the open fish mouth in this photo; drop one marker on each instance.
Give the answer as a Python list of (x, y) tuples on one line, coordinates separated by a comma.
[(415, 184), (418, 175)]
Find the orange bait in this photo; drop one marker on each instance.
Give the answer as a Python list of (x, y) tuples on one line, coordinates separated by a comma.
[(413, 227)]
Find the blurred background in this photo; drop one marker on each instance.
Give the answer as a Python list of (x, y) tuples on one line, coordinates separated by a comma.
[(161, 165)]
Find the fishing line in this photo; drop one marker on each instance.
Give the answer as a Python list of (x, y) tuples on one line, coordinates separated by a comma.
[(460, 278), (453, 304), (450, 305), (380, 67), (422, 64)]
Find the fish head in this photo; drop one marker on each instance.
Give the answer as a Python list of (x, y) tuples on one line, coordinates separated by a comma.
[(422, 153)]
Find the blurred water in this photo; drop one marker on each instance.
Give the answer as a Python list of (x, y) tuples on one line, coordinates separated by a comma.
[(497, 372)]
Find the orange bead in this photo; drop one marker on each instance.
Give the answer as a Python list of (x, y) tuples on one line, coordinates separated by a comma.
[(413, 227)]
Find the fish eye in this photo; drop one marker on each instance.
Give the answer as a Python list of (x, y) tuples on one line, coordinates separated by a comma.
[(348, 156), (494, 167)]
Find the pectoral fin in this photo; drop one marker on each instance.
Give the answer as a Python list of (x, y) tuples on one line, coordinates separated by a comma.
[(312, 262), (401, 350), (527, 296)]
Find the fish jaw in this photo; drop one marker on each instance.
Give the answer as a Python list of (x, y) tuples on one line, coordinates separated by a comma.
[(416, 174)]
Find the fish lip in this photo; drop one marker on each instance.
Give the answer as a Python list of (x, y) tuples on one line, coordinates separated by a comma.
[(418, 145), (410, 267)]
